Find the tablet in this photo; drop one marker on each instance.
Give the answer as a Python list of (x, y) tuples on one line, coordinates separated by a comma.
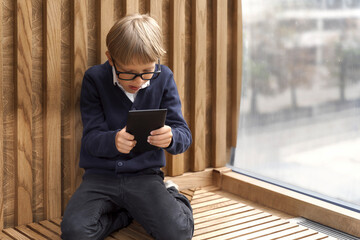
[(141, 122)]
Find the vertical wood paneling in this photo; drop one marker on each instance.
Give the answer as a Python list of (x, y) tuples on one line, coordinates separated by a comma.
[(198, 107), (92, 32), (9, 110), (1, 126), (52, 120), (47, 46), (79, 55), (38, 91), (220, 89), (155, 10), (24, 178), (177, 64), (66, 66), (236, 80), (106, 20), (131, 6)]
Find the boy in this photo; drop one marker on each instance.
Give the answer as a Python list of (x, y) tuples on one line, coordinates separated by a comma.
[(120, 185)]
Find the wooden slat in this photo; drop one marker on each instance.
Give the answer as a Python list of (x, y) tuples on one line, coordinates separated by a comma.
[(198, 85), (57, 221), (236, 80), (155, 10), (52, 133), (15, 234), (250, 230), (51, 226), (215, 206), (24, 178), (220, 86), (201, 217), (1, 125), (300, 235), (224, 225), (44, 231), (222, 215), (218, 231), (285, 233), (317, 237), (210, 203), (30, 233), (224, 219), (106, 20), (80, 56), (177, 64), (205, 199), (131, 6), (3, 236), (264, 234)]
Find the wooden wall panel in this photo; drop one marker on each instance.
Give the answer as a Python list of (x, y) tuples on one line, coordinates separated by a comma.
[(37, 131), (1, 125), (52, 120), (92, 36), (79, 55), (219, 88), (198, 85), (106, 20), (66, 80), (177, 64), (155, 10), (47, 45), (8, 54), (237, 70), (131, 6), (24, 176)]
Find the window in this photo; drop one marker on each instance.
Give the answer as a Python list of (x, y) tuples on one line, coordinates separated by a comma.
[(300, 105)]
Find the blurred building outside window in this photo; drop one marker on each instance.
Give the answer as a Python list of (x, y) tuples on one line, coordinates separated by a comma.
[(299, 121)]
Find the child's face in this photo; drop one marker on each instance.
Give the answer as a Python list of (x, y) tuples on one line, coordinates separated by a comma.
[(134, 85)]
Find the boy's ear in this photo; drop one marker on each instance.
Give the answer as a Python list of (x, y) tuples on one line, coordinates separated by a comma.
[(107, 53)]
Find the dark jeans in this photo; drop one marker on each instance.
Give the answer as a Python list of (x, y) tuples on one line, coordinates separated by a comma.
[(103, 204)]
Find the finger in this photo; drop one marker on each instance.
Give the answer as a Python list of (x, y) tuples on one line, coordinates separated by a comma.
[(161, 130), (126, 135), (128, 143), (161, 142), (126, 147), (160, 137)]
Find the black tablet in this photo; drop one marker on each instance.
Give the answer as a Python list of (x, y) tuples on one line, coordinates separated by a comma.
[(141, 122)]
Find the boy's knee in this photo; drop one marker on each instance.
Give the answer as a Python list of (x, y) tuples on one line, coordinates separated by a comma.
[(177, 231), (71, 229)]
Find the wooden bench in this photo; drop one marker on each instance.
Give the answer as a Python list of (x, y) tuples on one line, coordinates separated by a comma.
[(217, 215)]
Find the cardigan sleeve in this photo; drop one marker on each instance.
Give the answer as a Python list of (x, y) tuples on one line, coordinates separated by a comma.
[(97, 139), (182, 138)]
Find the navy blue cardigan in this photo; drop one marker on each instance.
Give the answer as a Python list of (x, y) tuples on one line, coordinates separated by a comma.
[(104, 110)]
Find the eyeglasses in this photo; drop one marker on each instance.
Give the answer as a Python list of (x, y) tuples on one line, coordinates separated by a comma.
[(126, 76)]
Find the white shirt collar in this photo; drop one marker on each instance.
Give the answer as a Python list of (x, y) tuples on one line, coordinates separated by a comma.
[(131, 96)]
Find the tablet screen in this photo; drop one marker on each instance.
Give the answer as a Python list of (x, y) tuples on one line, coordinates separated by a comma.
[(141, 122)]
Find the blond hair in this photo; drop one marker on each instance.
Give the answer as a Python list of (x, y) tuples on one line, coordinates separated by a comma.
[(135, 38)]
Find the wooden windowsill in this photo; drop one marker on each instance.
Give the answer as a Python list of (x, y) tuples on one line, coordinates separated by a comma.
[(288, 201)]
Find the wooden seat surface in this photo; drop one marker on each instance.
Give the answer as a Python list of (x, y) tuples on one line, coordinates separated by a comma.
[(216, 216)]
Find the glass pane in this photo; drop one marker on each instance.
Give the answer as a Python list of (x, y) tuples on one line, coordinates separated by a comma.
[(300, 106)]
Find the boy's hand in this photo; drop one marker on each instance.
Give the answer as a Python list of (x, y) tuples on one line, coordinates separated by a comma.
[(161, 137), (124, 141)]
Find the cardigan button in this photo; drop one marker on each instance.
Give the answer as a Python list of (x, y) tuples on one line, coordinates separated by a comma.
[(120, 164)]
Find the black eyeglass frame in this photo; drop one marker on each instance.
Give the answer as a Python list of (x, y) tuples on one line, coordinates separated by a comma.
[(154, 74)]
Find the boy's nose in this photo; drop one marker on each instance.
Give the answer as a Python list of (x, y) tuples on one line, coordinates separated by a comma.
[(139, 80)]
